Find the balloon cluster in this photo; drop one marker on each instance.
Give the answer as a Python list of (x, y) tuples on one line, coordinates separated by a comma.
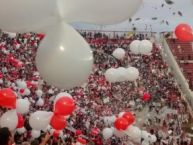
[(122, 74), (64, 105), (143, 47), (123, 125), (63, 45)]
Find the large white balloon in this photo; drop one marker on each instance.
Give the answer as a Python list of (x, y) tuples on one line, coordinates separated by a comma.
[(9, 119), (98, 11), (35, 133), (107, 133), (27, 15), (134, 46), (39, 120), (145, 47), (118, 133), (132, 74), (64, 59), (111, 75), (119, 53), (22, 105), (153, 138)]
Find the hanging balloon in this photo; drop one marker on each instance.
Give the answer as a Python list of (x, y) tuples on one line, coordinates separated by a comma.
[(134, 133), (121, 124), (119, 53), (9, 119), (59, 49), (58, 122), (107, 133), (39, 120), (184, 32), (7, 98), (20, 123), (121, 74), (22, 106), (129, 117), (64, 106), (77, 11)]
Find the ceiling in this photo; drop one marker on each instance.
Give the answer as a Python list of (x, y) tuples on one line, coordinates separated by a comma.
[(154, 15)]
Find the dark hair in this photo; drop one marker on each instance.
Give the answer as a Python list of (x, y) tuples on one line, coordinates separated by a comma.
[(5, 134)]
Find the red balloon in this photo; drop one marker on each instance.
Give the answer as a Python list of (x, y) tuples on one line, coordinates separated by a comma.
[(129, 116), (184, 32), (121, 123), (64, 106), (81, 140), (20, 123), (58, 122), (146, 97), (56, 133), (78, 132), (7, 98)]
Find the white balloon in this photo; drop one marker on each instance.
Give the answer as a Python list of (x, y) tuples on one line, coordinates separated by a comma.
[(22, 106), (145, 47), (121, 74), (134, 132), (98, 11), (107, 133), (132, 74), (118, 133), (39, 93), (27, 92), (21, 130), (111, 75), (153, 138), (134, 46), (146, 135), (9, 119), (35, 133), (27, 15), (21, 84), (64, 58), (145, 142), (119, 53), (40, 102), (39, 120), (78, 143)]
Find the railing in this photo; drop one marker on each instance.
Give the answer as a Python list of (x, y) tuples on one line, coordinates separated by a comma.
[(182, 82)]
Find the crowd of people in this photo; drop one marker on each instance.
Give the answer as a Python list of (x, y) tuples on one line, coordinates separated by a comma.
[(163, 115)]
